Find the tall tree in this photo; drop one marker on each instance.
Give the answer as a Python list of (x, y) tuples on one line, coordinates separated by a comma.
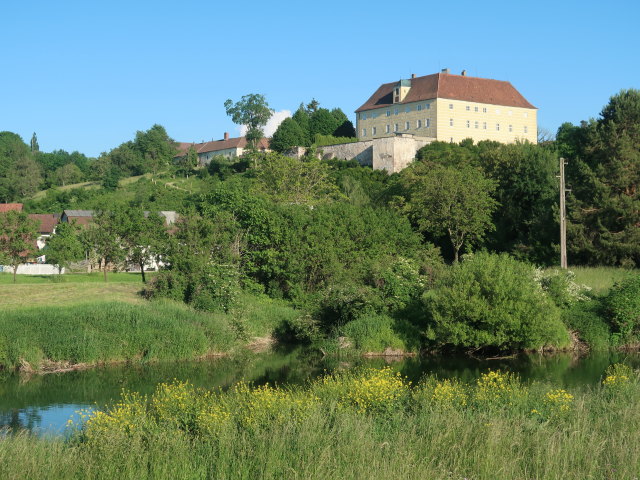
[(104, 236), (34, 143), (18, 234), (65, 247), (322, 122), (287, 135), (301, 116), (252, 111), (453, 202), (144, 236), (155, 147)]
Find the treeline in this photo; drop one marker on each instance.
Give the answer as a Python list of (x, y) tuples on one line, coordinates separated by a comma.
[(24, 169)]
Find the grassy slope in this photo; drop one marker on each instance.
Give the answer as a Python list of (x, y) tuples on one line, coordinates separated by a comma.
[(601, 279)]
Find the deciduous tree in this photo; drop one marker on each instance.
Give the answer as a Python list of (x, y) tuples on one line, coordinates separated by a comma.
[(18, 235), (252, 111)]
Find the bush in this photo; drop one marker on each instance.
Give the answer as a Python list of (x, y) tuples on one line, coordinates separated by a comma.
[(377, 332), (586, 319), (492, 301), (561, 287), (622, 307)]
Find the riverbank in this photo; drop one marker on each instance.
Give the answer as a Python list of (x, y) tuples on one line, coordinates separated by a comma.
[(359, 425)]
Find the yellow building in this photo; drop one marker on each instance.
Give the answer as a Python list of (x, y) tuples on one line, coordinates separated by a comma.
[(448, 108)]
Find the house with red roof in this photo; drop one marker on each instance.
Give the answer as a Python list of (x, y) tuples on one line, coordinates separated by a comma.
[(7, 207), (227, 147)]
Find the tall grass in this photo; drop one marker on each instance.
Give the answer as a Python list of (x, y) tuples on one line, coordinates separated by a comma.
[(354, 426), (601, 279)]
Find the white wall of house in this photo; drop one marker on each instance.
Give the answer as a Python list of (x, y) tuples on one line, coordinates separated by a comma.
[(32, 269)]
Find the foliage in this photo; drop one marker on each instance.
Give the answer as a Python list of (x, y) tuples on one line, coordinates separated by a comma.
[(374, 333), (588, 320), (288, 135), (104, 237), (492, 301), (323, 140), (64, 247), (322, 122), (560, 285), (252, 111), (17, 238), (622, 307), (449, 202)]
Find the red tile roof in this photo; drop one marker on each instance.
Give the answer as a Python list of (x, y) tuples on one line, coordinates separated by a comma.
[(453, 87), (47, 221), (6, 207), (217, 145)]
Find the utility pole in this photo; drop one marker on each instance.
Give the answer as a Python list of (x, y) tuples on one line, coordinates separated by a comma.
[(563, 217)]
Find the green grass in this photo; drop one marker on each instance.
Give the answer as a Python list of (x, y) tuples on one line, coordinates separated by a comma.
[(319, 432), (601, 279), (119, 277)]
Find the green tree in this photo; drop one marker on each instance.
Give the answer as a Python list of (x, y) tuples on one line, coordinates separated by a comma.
[(68, 173), (25, 177), (252, 111), (12, 150), (64, 247), (301, 116), (144, 236), (155, 147), (34, 143), (112, 178), (449, 201), (322, 122), (18, 234), (287, 135), (189, 162), (104, 236)]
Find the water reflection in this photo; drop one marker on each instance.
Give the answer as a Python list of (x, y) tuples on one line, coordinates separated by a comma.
[(44, 403)]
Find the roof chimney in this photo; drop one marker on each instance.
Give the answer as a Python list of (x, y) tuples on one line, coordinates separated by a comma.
[(413, 75), (226, 135), (464, 73), (445, 70)]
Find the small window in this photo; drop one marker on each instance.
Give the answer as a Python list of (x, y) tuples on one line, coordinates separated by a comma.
[(497, 127), (475, 124), (526, 114), (468, 124), (419, 107), (525, 130), (418, 123), (427, 123), (468, 108), (408, 109), (395, 128), (511, 128), (484, 109), (407, 126), (451, 122), (475, 109), (484, 125), (427, 106), (364, 132), (395, 111), (388, 113), (388, 129), (373, 131), (451, 106)]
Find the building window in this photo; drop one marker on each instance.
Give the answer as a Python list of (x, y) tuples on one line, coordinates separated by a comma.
[(475, 109), (395, 127), (451, 122), (525, 129), (451, 106), (427, 123), (511, 128), (526, 114), (484, 125), (373, 131), (419, 107), (364, 132), (395, 111), (497, 127), (388, 113), (427, 106), (418, 123), (468, 108), (388, 129), (407, 126), (468, 124), (408, 109), (475, 124), (484, 109)]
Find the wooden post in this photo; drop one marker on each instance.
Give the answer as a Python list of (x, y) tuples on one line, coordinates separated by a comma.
[(563, 218)]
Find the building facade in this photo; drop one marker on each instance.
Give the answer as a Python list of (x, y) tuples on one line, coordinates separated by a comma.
[(448, 108), (227, 147)]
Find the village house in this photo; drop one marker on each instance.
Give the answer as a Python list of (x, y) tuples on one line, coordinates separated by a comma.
[(46, 223), (227, 147)]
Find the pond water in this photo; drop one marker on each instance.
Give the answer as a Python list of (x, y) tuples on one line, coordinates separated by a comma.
[(44, 403)]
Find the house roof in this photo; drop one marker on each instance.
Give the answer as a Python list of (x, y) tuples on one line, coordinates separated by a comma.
[(217, 145), (47, 221), (7, 207), (453, 87), (80, 217)]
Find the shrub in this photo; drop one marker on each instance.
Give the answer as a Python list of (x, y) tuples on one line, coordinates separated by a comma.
[(587, 320), (492, 301), (377, 332), (561, 287), (622, 307)]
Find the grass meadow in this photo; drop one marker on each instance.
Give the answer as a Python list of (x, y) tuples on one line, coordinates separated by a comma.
[(357, 425)]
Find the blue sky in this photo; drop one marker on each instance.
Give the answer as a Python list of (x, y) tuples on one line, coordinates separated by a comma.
[(87, 75)]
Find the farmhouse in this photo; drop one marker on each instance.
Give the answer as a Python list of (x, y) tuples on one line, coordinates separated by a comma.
[(227, 147)]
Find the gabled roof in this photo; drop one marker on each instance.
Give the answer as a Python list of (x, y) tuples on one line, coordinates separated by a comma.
[(218, 145), (47, 221), (80, 217), (7, 207), (453, 87)]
